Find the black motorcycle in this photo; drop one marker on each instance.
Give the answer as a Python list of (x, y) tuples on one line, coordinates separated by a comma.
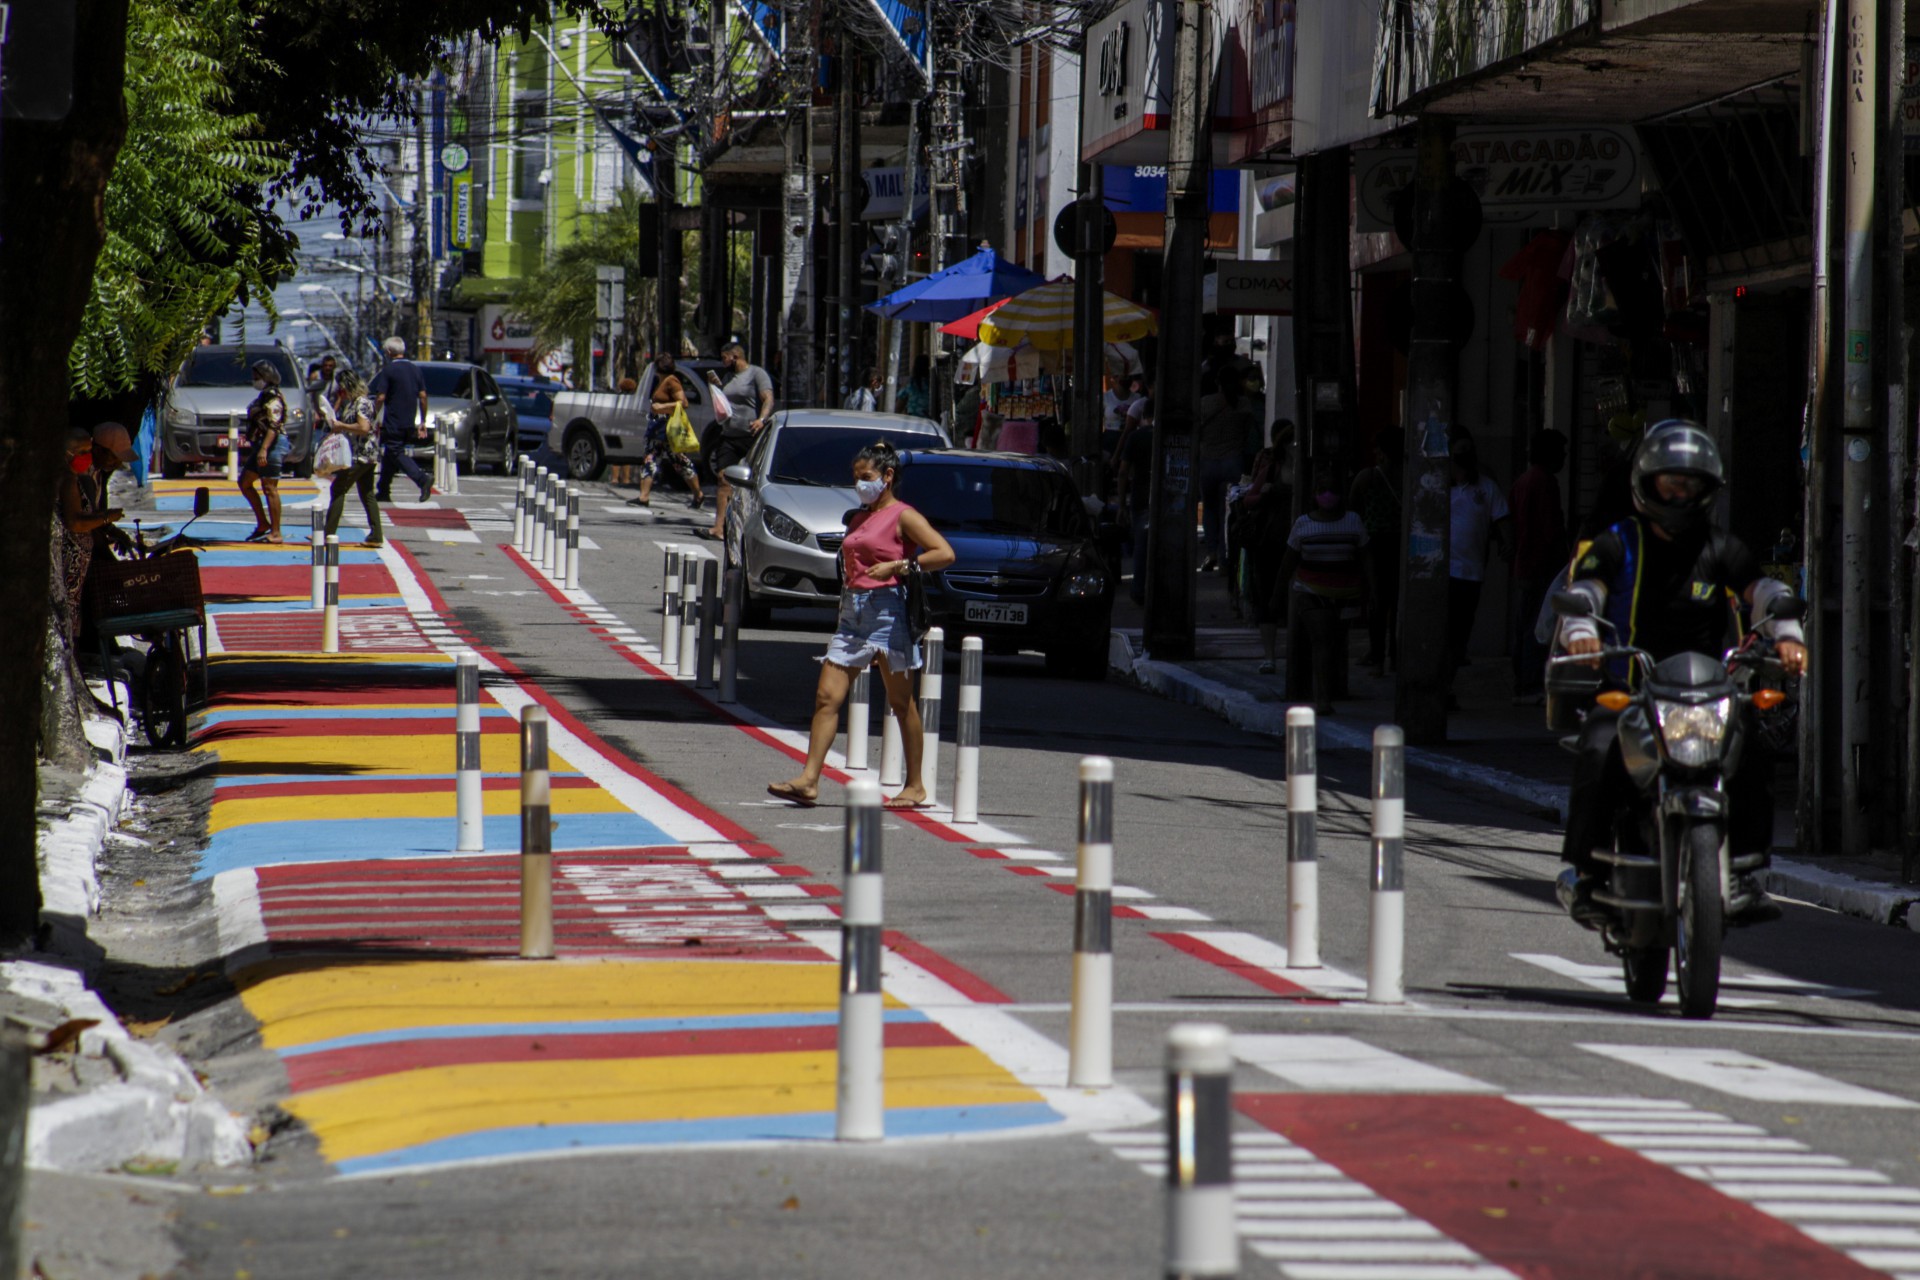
[(1681, 732)]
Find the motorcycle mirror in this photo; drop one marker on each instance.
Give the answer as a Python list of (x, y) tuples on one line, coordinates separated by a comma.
[(1572, 604), (202, 502), (1785, 610)]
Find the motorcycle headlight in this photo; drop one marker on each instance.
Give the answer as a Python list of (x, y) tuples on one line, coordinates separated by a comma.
[(1693, 731), (1091, 583), (783, 526)]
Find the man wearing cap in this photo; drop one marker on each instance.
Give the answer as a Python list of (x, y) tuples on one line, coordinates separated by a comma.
[(112, 449)]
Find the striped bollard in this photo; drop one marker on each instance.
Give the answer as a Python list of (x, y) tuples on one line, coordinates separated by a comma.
[(536, 838), (547, 492), (453, 461), (670, 612), (690, 615), (573, 541), (893, 748), (1090, 1040), (860, 1096), (709, 615), (1201, 1236), (1387, 939), (440, 456), (520, 508), (1303, 852), (233, 448), (317, 553), (536, 526), (557, 530), (966, 735), (730, 635), (859, 719), (330, 615), (469, 806), (669, 572), (930, 679)]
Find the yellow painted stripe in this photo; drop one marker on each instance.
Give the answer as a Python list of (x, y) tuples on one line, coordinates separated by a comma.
[(367, 1117), (342, 756), (299, 1002), (241, 812)]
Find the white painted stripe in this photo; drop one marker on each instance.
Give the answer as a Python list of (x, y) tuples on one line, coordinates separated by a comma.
[(800, 912), (772, 890), (1173, 913), (1843, 1237), (1367, 1251), (1811, 1210), (1128, 892), (1260, 1169), (1608, 978), (1388, 1271), (1332, 1190), (1621, 1113), (1805, 1191), (1543, 1100), (746, 871), (1786, 1173), (1612, 1128), (1030, 855), (1321, 1209), (1887, 1259), (1688, 1142), (1718, 1158), (1334, 1228), (1263, 953), (1745, 1076), (1346, 1064)]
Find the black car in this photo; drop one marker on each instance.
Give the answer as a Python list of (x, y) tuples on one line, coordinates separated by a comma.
[(1029, 572)]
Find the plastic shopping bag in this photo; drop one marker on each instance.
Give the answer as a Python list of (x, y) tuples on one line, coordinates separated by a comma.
[(335, 455), (680, 436)]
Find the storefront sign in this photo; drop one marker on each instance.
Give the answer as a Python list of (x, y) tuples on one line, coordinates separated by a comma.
[(885, 191), (1126, 99), (501, 332), (1247, 287), (1522, 176), (460, 212), (1264, 33)]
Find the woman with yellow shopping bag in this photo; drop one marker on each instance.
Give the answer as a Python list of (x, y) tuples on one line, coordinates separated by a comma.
[(670, 437)]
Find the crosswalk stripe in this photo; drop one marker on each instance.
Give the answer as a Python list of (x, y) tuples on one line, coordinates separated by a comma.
[(1819, 1191), (1795, 1210), (1345, 1063), (1368, 1250), (1280, 1229), (1745, 1076), (1322, 1210), (1608, 978), (1388, 1271), (1790, 1173), (1856, 1237)]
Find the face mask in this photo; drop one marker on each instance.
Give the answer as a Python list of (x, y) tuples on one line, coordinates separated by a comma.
[(1328, 500), (259, 384), (869, 491), (82, 463)]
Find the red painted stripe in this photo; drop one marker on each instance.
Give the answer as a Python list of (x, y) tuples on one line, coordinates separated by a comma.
[(1023, 869), (293, 581), (341, 1066), (426, 518), (1128, 913), (1540, 1197), (963, 980), (1239, 968), (1059, 887), (986, 853)]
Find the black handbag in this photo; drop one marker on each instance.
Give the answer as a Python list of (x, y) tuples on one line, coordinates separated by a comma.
[(919, 617)]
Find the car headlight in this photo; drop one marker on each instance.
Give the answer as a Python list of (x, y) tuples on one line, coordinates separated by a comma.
[(1091, 583), (783, 526), (1693, 731)]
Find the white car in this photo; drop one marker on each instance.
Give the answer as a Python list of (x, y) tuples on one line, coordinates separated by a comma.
[(791, 496), (593, 428)]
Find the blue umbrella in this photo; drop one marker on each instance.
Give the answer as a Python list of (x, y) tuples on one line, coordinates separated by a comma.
[(958, 290)]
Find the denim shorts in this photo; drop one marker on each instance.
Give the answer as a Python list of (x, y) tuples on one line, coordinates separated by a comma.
[(872, 624)]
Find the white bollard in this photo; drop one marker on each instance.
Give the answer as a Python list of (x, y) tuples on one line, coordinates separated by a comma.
[(536, 521), (1387, 938), (557, 530), (520, 508), (690, 615), (1090, 1038), (536, 838), (931, 677), (233, 448), (1303, 852), (860, 1089), (573, 541), (859, 720), (1202, 1239), (317, 553), (893, 748), (469, 803), (966, 736), (330, 616), (670, 611)]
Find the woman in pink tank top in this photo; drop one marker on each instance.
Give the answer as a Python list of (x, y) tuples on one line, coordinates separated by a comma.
[(886, 539)]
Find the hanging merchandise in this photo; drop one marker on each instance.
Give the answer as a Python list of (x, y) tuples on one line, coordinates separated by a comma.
[(1589, 304), (1543, 293), (1686, 308)]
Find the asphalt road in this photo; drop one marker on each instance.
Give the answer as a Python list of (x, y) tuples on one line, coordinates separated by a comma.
[(1506, 999)]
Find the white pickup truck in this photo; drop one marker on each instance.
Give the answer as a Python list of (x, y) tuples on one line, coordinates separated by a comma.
[(594, 428)]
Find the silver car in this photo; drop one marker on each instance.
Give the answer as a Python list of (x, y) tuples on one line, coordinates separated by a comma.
[(791, 495), (465, 397), (212, 391)]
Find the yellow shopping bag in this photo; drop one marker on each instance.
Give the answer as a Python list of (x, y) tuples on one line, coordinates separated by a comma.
[(680, 436)]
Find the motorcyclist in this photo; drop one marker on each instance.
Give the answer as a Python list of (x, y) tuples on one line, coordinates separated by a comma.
[(1668, 581)]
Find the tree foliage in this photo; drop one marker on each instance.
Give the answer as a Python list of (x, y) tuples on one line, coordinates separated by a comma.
[(559, 300), (185, 234)]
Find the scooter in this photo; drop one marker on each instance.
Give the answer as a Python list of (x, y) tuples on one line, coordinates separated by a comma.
[(1681, 730)]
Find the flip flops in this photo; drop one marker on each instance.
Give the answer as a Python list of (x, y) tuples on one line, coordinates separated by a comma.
[(792, 795)]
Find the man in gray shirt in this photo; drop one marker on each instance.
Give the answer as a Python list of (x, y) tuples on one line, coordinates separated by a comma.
[(749, 393)]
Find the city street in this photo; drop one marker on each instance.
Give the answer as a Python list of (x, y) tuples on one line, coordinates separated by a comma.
[(1516, 1116)]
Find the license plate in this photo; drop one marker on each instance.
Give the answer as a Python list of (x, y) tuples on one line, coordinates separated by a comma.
[(991, 612)]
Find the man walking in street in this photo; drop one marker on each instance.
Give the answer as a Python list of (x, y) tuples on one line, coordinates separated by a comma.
[(400, 406), (750, 392), (1539, 556)]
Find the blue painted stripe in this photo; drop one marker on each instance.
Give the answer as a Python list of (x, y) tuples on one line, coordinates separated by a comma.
[(249, 557), (812, 1126), (266, 844), (600, 1027), (344, 713), (276, 779)]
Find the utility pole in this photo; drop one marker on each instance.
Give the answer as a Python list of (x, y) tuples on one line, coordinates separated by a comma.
[(1446, 218), (847, 189), (1861, 55), (1810, 820), (797, 260), (910, 177), (422, 204), (1089, 329), (673, 253), (1170, 533)]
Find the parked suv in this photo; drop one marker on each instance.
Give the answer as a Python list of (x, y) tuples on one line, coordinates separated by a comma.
[(593, 428), (212, 391), (1030, 573)]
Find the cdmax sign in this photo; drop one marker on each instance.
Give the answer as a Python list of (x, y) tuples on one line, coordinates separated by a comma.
[(1246, 287)]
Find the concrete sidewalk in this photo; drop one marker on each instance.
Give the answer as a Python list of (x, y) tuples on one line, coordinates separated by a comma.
[(1502, 751)]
